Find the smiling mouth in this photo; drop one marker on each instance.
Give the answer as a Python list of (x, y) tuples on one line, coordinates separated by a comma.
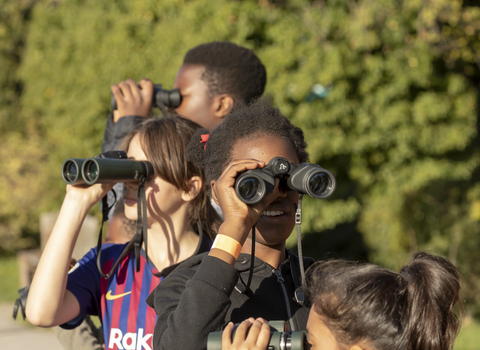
[(272, 213)]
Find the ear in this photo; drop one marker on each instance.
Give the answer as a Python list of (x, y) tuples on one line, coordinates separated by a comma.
[(194, 185), (212, 183), (223, 105)]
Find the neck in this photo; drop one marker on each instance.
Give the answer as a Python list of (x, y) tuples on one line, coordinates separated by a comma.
[(171, 239), (272, 255)]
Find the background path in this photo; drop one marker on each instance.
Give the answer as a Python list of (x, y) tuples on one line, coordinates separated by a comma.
[(21, 335)]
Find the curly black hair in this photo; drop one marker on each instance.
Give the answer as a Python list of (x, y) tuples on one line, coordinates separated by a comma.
[(247, 121), (229, 69)]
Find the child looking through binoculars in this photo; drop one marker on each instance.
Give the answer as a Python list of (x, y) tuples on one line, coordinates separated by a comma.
[(206, 292), (177, 212)]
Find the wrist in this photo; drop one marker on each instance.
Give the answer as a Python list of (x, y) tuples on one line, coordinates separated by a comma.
[(78, 201), (236, 229), (227, 244)]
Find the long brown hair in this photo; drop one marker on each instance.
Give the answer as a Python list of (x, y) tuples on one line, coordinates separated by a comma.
[(164, 140), (410, 310)]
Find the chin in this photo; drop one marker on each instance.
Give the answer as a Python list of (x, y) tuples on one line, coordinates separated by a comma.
[(272, 237), (131, 213)]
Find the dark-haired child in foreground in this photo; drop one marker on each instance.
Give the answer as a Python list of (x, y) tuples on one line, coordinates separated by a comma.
[(204, 294), (368, 307)]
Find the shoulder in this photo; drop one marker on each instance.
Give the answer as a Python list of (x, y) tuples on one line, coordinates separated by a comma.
[(187, 268), (109, 252), (175, 282)]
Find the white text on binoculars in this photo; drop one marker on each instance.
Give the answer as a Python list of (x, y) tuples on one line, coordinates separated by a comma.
[(129, 341), (272, 213)]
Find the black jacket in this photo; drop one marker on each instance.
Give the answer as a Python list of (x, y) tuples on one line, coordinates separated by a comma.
[(116, 132), (202, 296)]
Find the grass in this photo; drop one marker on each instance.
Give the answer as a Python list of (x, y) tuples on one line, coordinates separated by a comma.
[(468, 338), (9, 281)]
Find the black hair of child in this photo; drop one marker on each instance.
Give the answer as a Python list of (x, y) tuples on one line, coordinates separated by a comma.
[(247, 121), (229, 69), (413, 309)]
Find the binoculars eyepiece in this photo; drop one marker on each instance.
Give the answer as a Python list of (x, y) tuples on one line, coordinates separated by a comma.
[(280, 338), (161, 97), (252, 185), (112, 166)]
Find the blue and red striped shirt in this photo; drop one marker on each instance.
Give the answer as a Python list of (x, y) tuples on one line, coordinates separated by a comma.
[(128, 322)]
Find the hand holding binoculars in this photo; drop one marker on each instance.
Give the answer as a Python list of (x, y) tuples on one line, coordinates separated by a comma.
[(161, 97)]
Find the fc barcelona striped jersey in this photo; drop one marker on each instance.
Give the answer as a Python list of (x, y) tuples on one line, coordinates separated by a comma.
[(119, 301)]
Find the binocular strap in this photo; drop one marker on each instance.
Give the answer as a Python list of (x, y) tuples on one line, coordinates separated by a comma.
[(142, 225), (299, 285), (298, 221), (245, 288), (105, 210)]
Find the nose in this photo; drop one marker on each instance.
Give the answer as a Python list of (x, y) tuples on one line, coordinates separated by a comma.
[(281, 189), (130, 188), (131, 185)]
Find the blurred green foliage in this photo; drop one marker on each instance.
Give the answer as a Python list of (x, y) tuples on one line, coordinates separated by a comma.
[(10, 280), (385, 90)]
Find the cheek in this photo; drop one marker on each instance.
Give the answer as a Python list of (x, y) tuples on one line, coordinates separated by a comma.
[(193, 110), (292, 197)]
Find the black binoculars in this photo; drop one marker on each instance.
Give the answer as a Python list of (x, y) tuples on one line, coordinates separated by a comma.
[(112, 166), (305, 178), (280, 338), (161, 97)]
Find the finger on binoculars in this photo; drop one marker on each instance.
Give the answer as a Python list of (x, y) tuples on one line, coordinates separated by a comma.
[(227, 335), (241, 332), (263, 337), (261, 320), (146, 85), (116, 92), (88, 194), (237, 166), (130, 89), (136, 89)]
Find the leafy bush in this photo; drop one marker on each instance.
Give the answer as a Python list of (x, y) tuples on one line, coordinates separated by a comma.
[(385, 90)]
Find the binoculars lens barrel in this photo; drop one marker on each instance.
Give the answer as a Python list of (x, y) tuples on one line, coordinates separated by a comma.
[(91, 171), (71, 171), (252, 185), (313, 180), (170, 98), (107, 170), (320, 185), (250, 190), (76, 171)]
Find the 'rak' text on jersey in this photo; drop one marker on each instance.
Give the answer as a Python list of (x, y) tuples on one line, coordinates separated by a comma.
[(129, 341)]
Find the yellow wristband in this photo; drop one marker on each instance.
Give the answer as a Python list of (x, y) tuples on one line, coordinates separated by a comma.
[(227, 244)]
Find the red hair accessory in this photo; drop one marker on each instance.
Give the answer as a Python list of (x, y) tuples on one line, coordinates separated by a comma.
[(205, 139)]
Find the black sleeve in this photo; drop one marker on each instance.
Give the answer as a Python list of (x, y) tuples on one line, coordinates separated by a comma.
[(191, 304), (116, 132)]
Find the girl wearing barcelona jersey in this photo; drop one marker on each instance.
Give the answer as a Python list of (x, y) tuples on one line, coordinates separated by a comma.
[(178, 211)]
